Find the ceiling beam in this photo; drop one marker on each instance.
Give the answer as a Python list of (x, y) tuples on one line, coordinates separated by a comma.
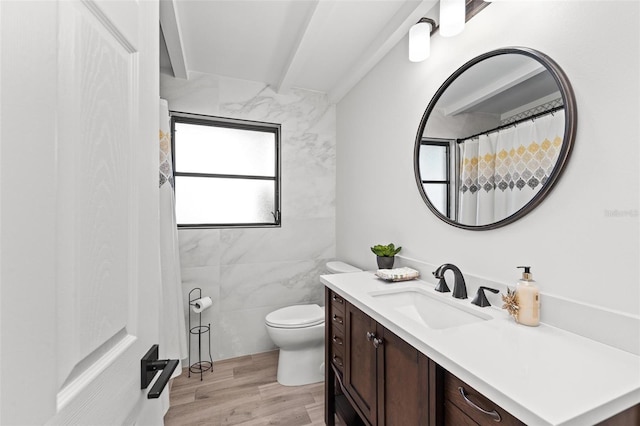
[(312, 30), (500, 84), (397, 28), (173, 37)]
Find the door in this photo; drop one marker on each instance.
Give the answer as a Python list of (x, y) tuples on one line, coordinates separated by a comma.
[(360, 369), (79, 263), (403, 379)]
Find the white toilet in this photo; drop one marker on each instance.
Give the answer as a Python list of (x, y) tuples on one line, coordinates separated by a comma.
[(299, 333)]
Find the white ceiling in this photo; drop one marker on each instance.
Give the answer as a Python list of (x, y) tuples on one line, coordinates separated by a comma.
[(322, 45)]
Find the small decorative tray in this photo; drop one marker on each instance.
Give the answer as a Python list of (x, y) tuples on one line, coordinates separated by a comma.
[(397, 274)]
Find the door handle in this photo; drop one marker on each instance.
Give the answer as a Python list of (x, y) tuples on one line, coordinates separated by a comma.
[(149, 367)]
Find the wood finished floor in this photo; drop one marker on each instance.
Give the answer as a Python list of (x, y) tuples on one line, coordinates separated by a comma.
[(244, 391)]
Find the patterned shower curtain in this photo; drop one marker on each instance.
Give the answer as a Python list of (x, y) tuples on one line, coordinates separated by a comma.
[(173, 339), (501, 171)]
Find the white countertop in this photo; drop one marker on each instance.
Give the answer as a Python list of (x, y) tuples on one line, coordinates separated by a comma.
[(542, 375)]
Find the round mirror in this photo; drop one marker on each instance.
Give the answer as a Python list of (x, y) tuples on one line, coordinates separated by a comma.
[(495, 138)]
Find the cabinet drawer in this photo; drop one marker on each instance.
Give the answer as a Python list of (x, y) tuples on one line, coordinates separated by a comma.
[(455, 416), (337, 304), (337, 343), (337, 320), (337, 301), (337, 339), (337, 358), (335, 311), (475, 405)]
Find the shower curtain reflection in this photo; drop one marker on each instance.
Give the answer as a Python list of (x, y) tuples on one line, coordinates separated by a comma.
[(500, 172)]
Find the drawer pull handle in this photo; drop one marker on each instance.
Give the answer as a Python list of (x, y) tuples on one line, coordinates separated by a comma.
[(377, 342), (370, 335), (337, 298), (337, 360), (493, 413), (337, 319), (337, 340)]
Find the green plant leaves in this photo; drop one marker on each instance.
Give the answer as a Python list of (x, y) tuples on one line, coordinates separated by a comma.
[(389, 250)]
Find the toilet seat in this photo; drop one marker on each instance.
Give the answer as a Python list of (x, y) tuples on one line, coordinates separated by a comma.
[(297, 316)]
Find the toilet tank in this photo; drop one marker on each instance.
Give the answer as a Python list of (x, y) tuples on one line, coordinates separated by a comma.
[(337, 267)]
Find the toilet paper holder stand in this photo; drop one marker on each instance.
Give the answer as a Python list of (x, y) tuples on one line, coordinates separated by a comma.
[(198, 330)]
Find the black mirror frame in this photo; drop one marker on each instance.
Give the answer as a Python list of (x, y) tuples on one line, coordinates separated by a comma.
[(571, 121)]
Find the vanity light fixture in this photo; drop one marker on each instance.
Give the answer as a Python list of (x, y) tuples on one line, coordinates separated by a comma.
[(420, 39), (452, 17)]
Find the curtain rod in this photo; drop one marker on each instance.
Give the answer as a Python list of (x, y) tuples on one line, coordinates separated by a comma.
[(513, 123)]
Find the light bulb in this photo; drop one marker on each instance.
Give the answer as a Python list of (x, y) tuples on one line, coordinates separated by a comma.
[(452, 17), (419, 42)]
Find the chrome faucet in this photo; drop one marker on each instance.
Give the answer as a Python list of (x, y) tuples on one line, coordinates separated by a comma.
[(459, 286)]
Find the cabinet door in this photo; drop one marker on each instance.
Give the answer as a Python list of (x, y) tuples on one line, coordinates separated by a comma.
[(403, 394), (360, 369)]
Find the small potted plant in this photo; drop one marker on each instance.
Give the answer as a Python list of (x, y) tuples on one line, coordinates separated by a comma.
[(386, 255)]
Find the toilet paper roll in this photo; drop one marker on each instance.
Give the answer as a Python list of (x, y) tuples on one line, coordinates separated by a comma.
[(201, 304)]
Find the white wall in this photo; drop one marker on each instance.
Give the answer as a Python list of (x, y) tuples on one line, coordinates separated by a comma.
[(577, 248), (251, 272)]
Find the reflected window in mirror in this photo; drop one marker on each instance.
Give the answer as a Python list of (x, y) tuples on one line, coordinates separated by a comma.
[(438, 177)]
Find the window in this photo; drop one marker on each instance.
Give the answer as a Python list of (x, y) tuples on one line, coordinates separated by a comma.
[(227, 172), (435, 175)]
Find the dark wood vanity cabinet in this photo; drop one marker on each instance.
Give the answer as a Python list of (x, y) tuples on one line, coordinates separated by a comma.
[(387, 382), (384, 379), (375, 378)]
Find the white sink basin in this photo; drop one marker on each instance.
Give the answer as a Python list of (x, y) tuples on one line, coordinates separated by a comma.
[(427, 309)]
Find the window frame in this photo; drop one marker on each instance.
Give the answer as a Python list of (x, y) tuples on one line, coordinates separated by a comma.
[(232, 123), (446, 143)]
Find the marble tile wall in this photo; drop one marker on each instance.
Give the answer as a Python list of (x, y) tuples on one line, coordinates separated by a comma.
[(251, 272)]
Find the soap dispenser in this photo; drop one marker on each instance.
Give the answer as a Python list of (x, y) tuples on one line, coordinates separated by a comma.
[(528, 297)]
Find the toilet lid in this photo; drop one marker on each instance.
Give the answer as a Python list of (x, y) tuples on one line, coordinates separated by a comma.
[(297, 316)]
